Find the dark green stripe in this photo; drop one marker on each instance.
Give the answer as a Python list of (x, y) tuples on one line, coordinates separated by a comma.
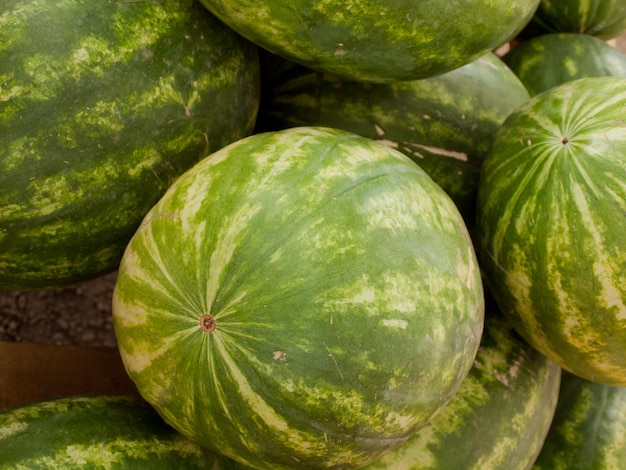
[(343, 252), (105, 144), (376, 40), (588, 430), (456, 112), (101, 432), (549, 212), (499, 417)]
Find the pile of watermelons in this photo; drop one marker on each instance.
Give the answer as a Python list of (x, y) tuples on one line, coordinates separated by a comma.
[(347, 234)]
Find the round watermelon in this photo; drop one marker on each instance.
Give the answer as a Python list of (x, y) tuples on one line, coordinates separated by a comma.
[(102, 105), (588, 430), (444, 123), (305, 297), (500, 416), (605, 19), (551, 59), (376, 40), (551, 219), (98, 432)]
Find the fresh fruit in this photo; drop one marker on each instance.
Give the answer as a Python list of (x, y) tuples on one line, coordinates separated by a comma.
[(500, 416), (551, 219), (375, 40), (96, 432), (445, 123), (102, 105), (588, 430), (605, 19), (551, 59), (306, 295)]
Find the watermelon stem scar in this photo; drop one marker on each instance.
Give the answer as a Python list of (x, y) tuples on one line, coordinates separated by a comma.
[(207, 323)]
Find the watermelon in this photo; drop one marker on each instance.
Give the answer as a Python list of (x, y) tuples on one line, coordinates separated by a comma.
[(605, 19), (305, 297), (102, 105), (98, 432), (500, 416), (551, 59), (551, 219), (444, 123), (376, 40), (588, 430)]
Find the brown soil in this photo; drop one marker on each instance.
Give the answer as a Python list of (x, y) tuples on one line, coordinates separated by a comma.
[(76, 315)]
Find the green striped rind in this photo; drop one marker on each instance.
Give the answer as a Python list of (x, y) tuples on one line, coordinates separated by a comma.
[(345, 291), (445, 123), (551, 225), (102, 105), (551, 59), (375, 40), (96, 432), (498, 419), (601, 18), (589, 428)]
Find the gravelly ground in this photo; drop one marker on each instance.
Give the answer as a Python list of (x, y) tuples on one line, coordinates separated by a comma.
[(79, 314)]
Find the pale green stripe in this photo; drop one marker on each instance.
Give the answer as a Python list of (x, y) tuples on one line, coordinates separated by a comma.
[(94, 54), (307, 445), (227, 241), (583, 107), (615, 450), (225, 353), (517, 426), (108, 454), (14, 23), (12, 429)]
